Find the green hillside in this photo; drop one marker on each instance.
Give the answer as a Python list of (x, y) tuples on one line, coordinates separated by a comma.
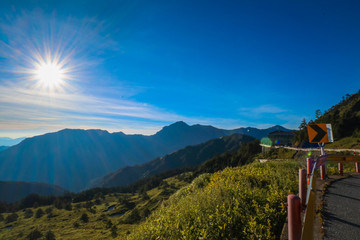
[(345, 120), (236, 203), (241, 201), (118, 213), (109, 216), (188, 157)]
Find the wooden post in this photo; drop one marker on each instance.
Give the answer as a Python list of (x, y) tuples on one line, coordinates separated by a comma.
[(357, 167), (302, 187), (294, 218)]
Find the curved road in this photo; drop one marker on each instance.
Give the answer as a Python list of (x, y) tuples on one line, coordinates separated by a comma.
[(342, 209)]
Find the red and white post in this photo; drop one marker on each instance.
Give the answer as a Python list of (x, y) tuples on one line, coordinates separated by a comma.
[(294, 218), (302, 187), (322, 171), (341, 168)]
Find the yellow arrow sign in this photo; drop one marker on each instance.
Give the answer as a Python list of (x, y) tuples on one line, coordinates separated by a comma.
[(320, 133)]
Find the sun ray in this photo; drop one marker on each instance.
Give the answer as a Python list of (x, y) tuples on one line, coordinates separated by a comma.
[(50, 75)]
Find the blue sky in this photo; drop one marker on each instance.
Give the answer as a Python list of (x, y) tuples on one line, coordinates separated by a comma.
[(135, 66)]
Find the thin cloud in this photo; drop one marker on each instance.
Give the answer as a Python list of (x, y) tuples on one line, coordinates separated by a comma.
[(29, 108), (260, 111), (84, 101)]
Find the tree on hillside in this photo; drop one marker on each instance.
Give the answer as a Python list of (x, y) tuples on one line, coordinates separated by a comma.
[(50, 235), (301, 137), (28, 213), (318, 113), (11, 218), (344, 116), (114, 231), (244, 155), (39, 213), (303, 124), (84, 217), (34, 235)]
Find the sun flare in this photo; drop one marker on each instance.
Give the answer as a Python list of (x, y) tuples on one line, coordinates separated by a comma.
[(49, 75)]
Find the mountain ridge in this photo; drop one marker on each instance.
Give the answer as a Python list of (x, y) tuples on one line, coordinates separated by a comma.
[(7, 142), (71, 158), (189, 156)]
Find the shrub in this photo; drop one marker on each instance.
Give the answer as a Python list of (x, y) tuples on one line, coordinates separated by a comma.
[(131, 217), (50, 236), (236, 203), (114, 231), (68, 206), (34, 235), (91, 210), (109, 224), (58, 203), (28, 213), (84, 217), (39, 213), (49, 210), (11, 218)]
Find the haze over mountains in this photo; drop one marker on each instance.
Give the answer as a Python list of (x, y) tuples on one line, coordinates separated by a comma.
[(2, 148), (72, 158), (5, 141), (186, 157)]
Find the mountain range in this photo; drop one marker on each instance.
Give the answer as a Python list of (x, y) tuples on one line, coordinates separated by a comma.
[(71, 158), (6, 141), (2, 148), (188, 157)]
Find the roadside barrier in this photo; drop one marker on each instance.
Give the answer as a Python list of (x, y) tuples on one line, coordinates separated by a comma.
[(305, 202)]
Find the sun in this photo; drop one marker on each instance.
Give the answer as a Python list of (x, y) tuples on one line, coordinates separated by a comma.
[(50, 75)]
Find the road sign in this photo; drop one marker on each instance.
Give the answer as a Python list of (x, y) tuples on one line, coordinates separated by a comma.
[(320, 133)]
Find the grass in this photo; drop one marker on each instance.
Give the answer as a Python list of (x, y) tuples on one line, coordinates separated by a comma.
[(345, 143), (242, 203), (67, 224), (277, 153)]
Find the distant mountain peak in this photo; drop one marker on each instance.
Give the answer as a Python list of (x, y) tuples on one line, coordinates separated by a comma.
[(179, 124), (278, 127), (99, 152), (173, 128)]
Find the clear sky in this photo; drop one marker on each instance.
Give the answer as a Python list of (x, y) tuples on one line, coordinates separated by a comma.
[(135, 66)]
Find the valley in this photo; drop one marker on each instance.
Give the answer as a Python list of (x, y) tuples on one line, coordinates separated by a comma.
[(178, 120), (72, 158), (215, 189)]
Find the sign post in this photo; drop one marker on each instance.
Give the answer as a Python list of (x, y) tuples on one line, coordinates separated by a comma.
[(320, 133)]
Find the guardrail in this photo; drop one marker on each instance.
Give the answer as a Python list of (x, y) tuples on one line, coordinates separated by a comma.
[(312, 149), (305, 202)]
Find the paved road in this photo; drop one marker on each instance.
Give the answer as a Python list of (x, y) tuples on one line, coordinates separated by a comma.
[(342, 209)]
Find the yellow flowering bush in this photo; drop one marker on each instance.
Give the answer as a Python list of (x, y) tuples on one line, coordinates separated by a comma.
[(236, 203)]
